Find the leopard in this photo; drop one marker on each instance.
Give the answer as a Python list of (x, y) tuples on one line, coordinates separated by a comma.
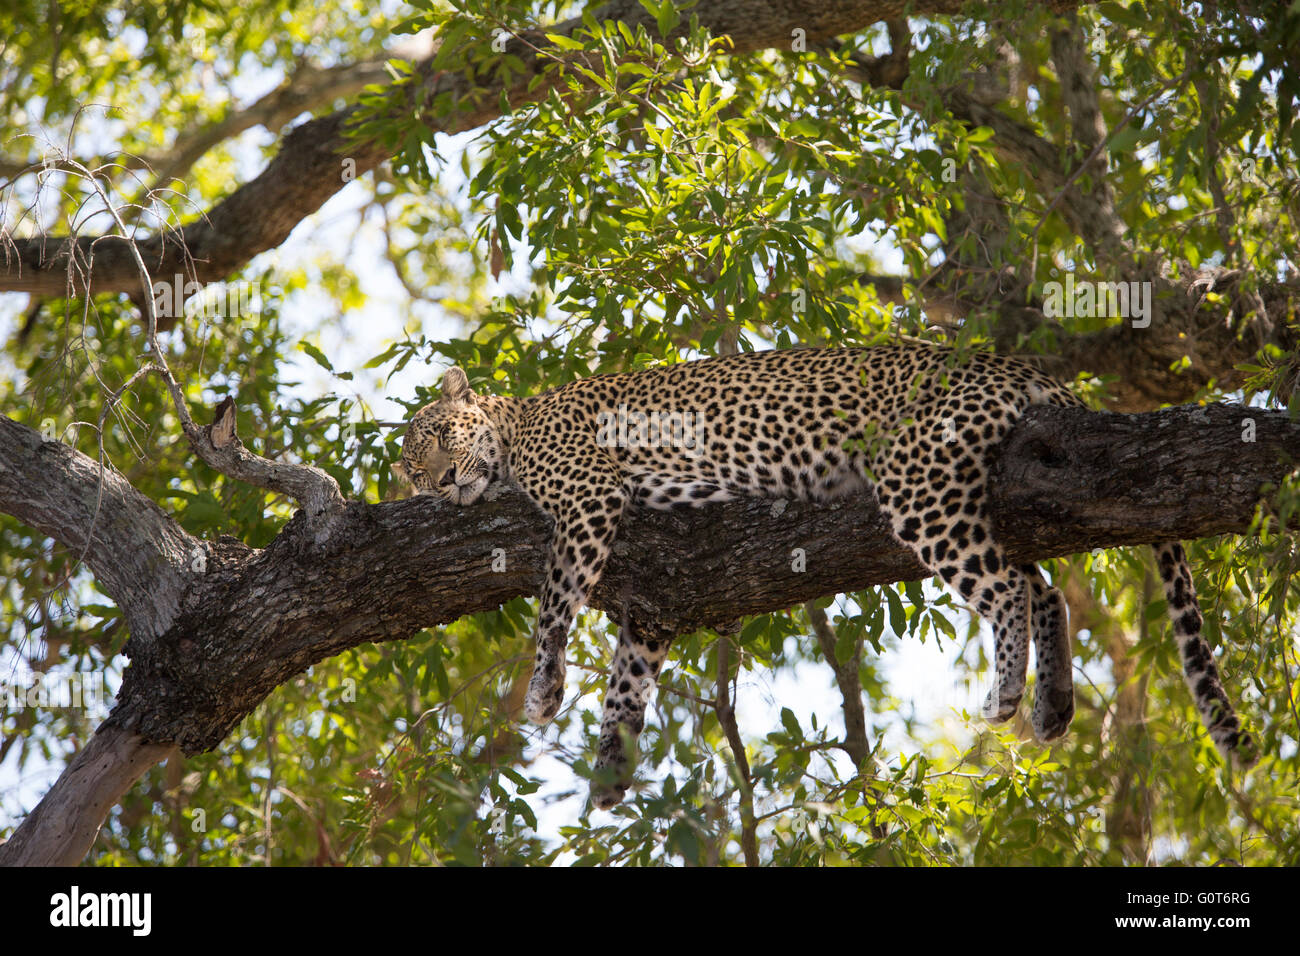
[(917, 426)]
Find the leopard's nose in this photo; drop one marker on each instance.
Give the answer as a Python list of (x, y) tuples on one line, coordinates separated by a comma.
[(448, 477)]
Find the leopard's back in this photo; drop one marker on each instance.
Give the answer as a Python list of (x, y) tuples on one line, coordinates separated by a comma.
[(795, 423)]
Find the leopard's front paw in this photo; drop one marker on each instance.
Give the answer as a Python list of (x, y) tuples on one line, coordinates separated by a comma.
[(1053, 711), (997, 708), (545, 694), (607, 797), (613, 773)]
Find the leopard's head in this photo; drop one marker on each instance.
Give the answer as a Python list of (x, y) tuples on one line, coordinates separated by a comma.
[(452, 448)]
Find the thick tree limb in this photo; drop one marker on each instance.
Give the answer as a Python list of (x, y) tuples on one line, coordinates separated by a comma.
[(136, 552), (1068, 481), (1182, 473)]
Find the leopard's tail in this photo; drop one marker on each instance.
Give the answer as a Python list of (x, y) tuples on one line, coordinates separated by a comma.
[(1237, 745)]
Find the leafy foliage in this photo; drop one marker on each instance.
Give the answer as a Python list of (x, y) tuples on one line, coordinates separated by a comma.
[(659, 201)]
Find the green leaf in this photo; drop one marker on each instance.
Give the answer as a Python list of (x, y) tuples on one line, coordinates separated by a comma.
[(791, 724), (316, 354), (565, 42)]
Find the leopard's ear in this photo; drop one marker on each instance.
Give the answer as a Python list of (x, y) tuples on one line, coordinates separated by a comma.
[(455, 385), (398, 469)]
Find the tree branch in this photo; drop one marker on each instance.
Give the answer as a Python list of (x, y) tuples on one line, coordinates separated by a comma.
[(1128, 813), (856, 744), (139, 555), (62, 828), (1080, 93), (219, 446), (309, 88), (726, 712), (1191, 340), (1067, 481)]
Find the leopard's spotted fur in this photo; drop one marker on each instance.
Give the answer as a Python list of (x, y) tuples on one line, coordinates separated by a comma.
[(911, 423)]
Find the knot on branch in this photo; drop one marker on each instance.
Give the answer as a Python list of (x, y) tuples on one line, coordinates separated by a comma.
[(222, 430), (1038, 446)]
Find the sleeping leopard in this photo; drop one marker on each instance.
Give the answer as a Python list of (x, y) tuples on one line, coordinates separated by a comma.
[(912, 424)]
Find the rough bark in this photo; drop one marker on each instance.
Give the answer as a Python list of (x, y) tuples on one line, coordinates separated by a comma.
[(1068, 480), (1181, 473)]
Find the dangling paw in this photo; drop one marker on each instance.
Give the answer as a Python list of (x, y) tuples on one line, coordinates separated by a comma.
[(998, 709), (545, 691), (1053, 711), (613, 771)]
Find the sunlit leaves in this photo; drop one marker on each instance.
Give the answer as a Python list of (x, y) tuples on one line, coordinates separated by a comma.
[(656, 200)]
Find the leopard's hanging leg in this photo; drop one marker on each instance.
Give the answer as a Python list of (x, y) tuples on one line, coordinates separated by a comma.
[(935, 502), (638, 660), (1002, 599), (579, 547), (1054, 666), (1237, 745)]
